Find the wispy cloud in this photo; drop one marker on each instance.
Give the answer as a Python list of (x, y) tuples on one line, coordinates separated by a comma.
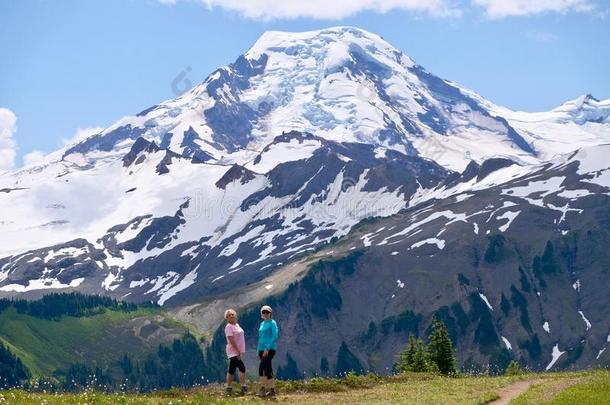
[(338, 9), (329, 10), (496, 9), (8, 146), (37, 157)]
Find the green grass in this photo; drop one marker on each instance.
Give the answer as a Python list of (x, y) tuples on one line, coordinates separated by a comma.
[(590, 387), (595, 390), (403, 389), (46, 345)]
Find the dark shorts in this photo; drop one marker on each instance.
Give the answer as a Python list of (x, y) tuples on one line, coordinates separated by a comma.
[(236, 364), (265, 368)]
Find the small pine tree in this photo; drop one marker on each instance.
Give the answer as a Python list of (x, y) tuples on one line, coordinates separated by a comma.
[(440, 348), (405, 358), (421, 358), (414, 357), (513, 368)]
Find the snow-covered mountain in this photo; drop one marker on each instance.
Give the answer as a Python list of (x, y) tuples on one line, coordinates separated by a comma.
[(582, 122), (342, 84), (270, 158)]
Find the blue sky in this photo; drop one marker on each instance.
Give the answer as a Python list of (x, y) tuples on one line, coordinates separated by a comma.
[(71, 65)]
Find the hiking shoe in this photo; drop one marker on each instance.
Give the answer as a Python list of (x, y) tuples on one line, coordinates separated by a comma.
[(271, 392), (228, 390), (244, 389), (261, 392)]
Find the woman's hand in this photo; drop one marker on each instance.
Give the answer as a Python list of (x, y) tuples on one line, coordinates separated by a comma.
[(265, 353)]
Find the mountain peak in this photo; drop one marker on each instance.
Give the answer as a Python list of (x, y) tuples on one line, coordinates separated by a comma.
[(585, 108), (341, 84), (589, 97), (579, 102), (278, 38), (292, 43)]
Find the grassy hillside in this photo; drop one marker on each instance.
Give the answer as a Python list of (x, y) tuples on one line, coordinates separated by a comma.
[(47, 345), (592, 387)]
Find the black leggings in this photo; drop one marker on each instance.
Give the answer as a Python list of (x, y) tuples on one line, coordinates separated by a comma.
[(265, 368), (236, 364)]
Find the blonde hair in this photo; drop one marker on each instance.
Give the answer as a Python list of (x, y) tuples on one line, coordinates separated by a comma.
[(229, 312)]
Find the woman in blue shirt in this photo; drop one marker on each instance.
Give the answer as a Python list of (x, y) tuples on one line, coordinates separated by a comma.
[(268, 333)]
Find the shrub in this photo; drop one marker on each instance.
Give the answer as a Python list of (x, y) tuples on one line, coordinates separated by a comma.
[(513, 368)]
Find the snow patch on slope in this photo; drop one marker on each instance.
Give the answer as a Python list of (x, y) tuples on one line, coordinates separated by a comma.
[(556, 354), (484, 298)]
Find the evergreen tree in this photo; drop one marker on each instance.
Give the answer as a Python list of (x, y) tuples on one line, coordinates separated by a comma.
[(496, 250), (126, 365), (440, 348), (549, 264), (414, 357), (410, 354), (12, 370), (505, 305), (324, 368), (347, 361), (290, 371), (525, 284), (519, 301), (55, 305), (80, 377)]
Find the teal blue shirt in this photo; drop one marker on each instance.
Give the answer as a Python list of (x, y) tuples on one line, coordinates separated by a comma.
[(268, 333)]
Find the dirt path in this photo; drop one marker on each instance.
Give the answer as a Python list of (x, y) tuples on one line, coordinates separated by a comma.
[(512, 391)]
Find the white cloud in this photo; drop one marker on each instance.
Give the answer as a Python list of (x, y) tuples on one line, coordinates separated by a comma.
[(81, 134), (8, 146), (35, 157), (338, 9), (327, 10), (496, 9)]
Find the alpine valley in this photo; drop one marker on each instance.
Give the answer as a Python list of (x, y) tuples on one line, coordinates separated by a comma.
[(329, 175)]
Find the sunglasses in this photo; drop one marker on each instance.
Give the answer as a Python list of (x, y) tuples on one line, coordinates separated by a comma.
[(265, 312)]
